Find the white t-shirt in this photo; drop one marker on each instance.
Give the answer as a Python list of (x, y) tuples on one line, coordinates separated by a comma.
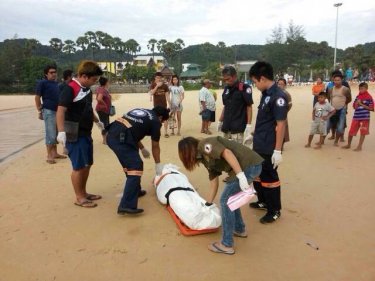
[(322, 110)]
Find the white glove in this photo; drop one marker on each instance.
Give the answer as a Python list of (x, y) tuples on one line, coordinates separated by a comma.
[(159, 168), (100, 125), (61, 138), (248, 137), (219, 125), (276, 158), (243, 181), (145, 153)]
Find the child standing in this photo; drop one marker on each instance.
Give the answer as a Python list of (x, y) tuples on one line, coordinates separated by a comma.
[(362, 105), (322, 111)]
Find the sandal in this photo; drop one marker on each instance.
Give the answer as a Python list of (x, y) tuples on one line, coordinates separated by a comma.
[(86, 204), (242, 234), (92, 197), (166, 135), (58, 156), (216, 247), (51, 161)]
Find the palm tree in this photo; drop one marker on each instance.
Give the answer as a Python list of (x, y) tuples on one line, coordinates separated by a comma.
[(133, 46), (30, 46), (221, 45), (93, 42), (56, 44), (151, 47), (69, 46), (82, 42), (179, 44)]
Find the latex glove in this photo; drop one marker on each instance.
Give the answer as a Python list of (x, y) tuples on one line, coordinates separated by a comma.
[(243, 181), (159, 168), (219, 125), (248, 137), (61, 138), (100, 125), (145, 153), (276, 158)]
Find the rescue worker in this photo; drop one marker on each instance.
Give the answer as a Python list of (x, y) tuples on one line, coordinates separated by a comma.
[(124, 138), (236, 116), (242, 164), (268, 139)]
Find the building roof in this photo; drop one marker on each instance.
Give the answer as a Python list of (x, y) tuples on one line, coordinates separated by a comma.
[(192, 73), (244, 66), (166, 71)]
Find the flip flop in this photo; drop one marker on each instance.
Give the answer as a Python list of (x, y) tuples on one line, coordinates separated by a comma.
[(60, 157), (86, 204), (51, 161), (214, 247), (92, 197), (240, 234)]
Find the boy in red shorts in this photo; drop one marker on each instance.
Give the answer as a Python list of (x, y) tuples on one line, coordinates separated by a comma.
[(362, 105)]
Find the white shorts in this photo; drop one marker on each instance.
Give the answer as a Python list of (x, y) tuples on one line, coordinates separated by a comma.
[(319, 127)]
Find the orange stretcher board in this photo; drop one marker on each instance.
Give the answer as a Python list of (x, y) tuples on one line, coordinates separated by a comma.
[(185, 230)]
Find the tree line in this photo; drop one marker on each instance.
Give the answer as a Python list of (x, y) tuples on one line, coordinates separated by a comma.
[(22, 60)]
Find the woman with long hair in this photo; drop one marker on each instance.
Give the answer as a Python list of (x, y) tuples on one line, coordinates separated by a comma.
[(242, 164), (177, 96)]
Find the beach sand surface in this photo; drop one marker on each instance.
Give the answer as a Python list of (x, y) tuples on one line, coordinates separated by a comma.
[(326, 231)]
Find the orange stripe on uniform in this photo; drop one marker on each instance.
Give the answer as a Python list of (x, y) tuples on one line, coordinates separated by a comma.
[(271, 184), (133, 172)]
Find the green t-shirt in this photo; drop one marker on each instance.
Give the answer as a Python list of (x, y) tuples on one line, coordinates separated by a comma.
[(211, 149)]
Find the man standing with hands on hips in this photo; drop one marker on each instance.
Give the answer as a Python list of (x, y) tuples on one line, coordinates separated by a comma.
[(75, 118), (268, 139)]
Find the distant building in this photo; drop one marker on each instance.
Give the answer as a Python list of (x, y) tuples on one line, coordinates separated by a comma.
[(145, 60), (193, 72), (243, 68)]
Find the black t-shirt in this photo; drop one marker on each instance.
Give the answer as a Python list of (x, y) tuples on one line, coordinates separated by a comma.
[(78, 101), (235, 102), (273, 107), (144, 123)]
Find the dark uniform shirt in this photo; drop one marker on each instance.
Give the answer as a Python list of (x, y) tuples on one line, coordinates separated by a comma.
[(273, 107), (78, 101), (144, 123), (211, 149), (236, 102)]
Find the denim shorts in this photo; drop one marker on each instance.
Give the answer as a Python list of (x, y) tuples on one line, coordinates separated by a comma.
[(206, 115), (81, 152), (49, 117)]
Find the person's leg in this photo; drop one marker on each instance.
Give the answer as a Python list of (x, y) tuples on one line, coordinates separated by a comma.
[(271, 190), (309, 141), (361, 140), (350, 138), (79, 180), (229, 217), (49, 117), (179, 113), (320, 143), (340, 125), (166, 129)]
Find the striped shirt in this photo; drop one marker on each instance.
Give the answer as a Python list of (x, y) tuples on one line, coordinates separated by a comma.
[(361, 113)]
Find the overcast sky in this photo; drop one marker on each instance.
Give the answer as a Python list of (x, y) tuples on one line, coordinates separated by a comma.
[(195, 22)]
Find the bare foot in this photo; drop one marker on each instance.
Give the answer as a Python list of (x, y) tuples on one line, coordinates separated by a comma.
[(335, 144), (357, 149), (307, 145), (346, 146), (331, 138), (319, 146)]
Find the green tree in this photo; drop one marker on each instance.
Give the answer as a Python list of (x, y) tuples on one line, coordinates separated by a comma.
[(69, 47), (56, 44), (151, 46)]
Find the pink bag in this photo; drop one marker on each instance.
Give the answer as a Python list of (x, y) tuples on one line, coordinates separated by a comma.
[(241, 198)]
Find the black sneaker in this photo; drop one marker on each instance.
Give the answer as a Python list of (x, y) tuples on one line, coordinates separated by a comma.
[(123, 211), (258, 205), (142, 193), (270, 217)]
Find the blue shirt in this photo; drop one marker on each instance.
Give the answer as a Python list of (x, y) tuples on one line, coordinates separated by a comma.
[(273, 107), (49, 91)]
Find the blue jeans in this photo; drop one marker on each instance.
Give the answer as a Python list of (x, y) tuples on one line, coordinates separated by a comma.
[(232, 221), (49, 117), (339, 119)]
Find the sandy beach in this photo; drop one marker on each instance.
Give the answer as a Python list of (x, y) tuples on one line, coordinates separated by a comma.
[(326, 231)]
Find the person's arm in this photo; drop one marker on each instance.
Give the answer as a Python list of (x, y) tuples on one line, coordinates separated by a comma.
[(348, 96), (38, 104), (214, 185), (203, 103), (313, 114), (155, 147), (280, 132), (330, 114), (365, 106), (249, 110), (60, 118), (232, 160), (168, 98)]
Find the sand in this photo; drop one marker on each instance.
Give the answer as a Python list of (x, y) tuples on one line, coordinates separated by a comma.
[(327, 199)]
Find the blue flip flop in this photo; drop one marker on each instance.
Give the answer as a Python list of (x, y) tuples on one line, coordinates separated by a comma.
[(213, 247)]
